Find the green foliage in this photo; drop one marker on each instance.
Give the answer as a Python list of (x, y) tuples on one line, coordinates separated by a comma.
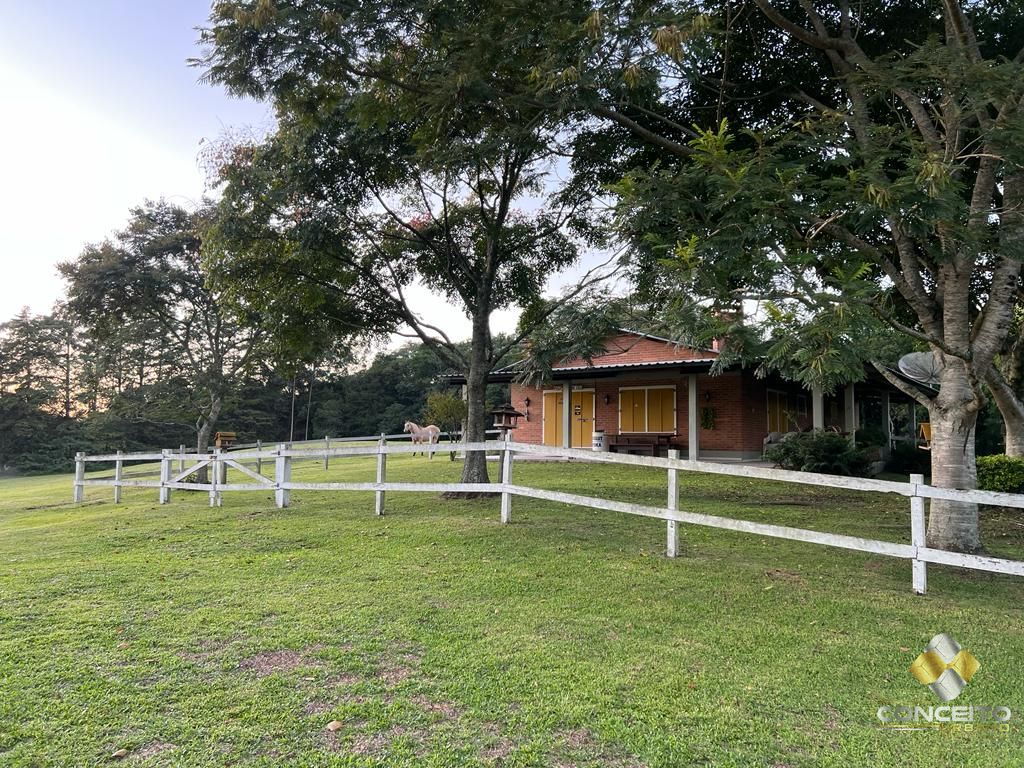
[(445, 409), (1001, 473), (908, 459), (826, 452), (396, 163), (394, 389), (148, 286), (707, 417), (871, 437)]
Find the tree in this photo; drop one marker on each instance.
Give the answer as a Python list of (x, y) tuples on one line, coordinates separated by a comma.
[(884, 185), (1006, 383), (448, 411), (150, 278), (38, 382), (365, 191)]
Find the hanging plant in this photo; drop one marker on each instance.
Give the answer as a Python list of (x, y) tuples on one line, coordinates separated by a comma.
[(707, 418)]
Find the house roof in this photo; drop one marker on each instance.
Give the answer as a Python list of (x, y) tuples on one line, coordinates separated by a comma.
[(604, 365), (509, 372), (688, 359)]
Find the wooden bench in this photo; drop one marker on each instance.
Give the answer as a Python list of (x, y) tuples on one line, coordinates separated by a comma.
[(642, 444)]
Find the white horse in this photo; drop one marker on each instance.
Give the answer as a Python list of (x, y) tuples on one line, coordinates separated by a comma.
[(419, 435)]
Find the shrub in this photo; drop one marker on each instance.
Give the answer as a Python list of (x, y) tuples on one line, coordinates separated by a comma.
[(871, 437), (825, 452), (1001, 473), (907, 459)]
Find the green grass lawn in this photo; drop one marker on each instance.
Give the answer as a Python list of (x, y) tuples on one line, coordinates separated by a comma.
[(435, 636)]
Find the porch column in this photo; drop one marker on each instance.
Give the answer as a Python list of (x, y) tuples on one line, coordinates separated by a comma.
[(817, 409), (849, 411), (567, 415), (693, 433)]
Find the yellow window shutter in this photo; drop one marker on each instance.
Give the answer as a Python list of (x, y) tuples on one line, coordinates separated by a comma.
[(654, 410), (668, 410)]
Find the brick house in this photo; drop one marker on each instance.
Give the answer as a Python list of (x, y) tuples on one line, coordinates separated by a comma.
[(648, 394)]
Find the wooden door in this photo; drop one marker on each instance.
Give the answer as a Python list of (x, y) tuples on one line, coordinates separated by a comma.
[(582, 419), (553, 402)]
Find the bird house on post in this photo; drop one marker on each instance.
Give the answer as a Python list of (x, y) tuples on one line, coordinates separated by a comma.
[(224, 439), (506, 418)]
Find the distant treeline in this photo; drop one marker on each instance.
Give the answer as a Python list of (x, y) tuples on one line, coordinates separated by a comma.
[(61, 393)]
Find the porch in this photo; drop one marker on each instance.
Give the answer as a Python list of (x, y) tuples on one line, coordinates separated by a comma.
[(731, 416)]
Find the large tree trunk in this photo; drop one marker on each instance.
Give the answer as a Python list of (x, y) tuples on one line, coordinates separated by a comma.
[(953, 525), (207, 423), (475, 468), (1014, 434), (1012, 410)]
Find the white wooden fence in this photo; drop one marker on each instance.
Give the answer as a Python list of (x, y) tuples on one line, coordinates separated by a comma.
[(283, 455)]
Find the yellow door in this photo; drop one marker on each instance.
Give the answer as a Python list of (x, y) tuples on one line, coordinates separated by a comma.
[(582, 419), (553, 402)]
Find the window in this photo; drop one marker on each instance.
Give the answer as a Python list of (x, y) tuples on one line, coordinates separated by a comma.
[(785, 412), (647, 409)]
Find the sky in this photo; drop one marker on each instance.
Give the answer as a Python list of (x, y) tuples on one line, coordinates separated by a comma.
[(100, 112)]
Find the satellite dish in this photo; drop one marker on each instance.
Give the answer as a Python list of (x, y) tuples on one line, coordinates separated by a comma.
[(922, 367)]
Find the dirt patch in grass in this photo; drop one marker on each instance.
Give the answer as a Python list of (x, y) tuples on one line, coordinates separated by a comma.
[(445, 709), (579, 747), (266, 663), (152, 749), (497, 749), (343, 680), (400, 668), (372, 744), (393, 674), (832, 718), (781, 574), (316, 707)]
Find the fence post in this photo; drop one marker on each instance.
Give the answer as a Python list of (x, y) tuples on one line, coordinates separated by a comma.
[(327, 447), (259, 457), (917, 536), (672, 541), (282, 475), (165, 475), (506, 480), (118, 477), (181, 459), (215, 467), (382, 464), (79, 487)]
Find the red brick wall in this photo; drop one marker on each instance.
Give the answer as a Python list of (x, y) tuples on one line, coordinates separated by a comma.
[(725, 395), (528, 430)]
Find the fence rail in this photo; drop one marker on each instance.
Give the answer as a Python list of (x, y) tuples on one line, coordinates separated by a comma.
[(282, 456)]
